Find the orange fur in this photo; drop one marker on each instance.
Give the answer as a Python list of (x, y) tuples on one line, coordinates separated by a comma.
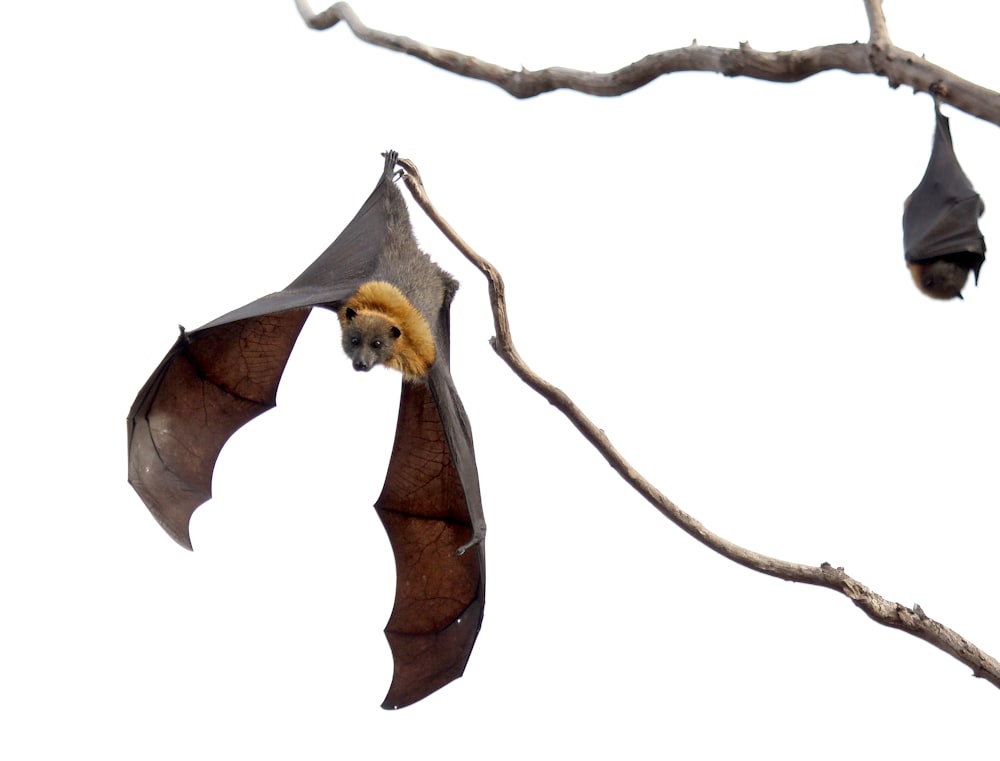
[(414, 350)]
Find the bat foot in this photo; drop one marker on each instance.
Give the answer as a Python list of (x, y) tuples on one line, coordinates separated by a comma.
[(478, 535)]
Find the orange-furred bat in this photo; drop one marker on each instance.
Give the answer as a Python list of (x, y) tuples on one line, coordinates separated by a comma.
[(941, 236), (393, 303)]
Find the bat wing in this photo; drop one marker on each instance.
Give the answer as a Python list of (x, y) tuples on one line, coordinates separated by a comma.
[(432, 511), (941, 216), (222, 375), (210, 383)]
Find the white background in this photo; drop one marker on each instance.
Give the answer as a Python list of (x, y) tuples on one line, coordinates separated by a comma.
[(712, 268)]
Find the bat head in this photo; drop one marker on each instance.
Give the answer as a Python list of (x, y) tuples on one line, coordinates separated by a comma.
[(945, 276), (369, 339), (381, 327)]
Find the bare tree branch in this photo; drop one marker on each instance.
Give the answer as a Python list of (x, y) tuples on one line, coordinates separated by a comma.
[(892, 614), (878, 56)]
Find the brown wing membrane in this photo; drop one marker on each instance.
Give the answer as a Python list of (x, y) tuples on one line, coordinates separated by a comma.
[(211, 383), (440, 594), (219, 377)]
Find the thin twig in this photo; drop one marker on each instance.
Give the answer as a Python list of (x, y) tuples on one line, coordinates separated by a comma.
[(879, 56), (891, 614)]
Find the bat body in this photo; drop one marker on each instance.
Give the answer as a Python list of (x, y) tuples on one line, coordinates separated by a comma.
[(941, 236), (222, 375)]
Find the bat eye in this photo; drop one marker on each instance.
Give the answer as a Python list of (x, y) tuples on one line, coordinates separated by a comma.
[(376, 344), (355, 341)]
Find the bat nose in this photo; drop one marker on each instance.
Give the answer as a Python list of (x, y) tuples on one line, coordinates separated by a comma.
[(361, 367)]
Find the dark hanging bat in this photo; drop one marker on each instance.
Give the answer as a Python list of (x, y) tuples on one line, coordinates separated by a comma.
[(941, 235), (393, 304)]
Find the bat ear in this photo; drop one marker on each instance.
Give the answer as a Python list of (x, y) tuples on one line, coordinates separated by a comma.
[(396, 332), (350, 314)]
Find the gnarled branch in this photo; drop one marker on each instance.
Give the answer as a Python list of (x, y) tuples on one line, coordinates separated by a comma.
[(892, 614), (878, 56)]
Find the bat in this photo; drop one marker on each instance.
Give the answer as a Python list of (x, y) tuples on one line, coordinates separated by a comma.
[(224, 374), (941, 236)]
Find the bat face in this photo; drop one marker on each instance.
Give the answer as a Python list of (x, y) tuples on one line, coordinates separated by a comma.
[(941, 236), (942, 278), (369, 339)]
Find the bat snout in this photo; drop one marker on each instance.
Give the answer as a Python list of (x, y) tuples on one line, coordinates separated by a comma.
[(361, 366)]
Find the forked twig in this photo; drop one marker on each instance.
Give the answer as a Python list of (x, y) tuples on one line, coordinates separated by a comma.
[(878, 56), (891, 614)]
